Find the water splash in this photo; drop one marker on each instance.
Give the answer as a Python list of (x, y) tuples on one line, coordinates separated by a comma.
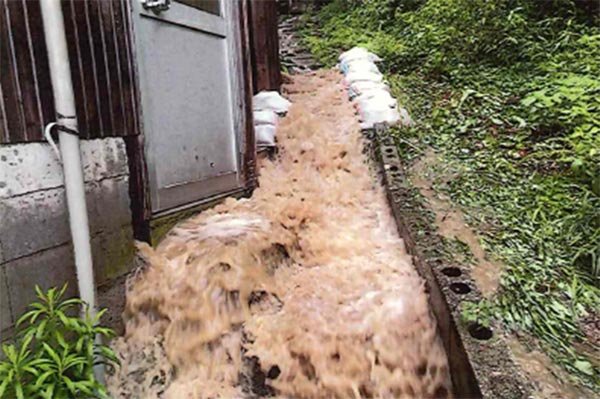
[(304, 290)]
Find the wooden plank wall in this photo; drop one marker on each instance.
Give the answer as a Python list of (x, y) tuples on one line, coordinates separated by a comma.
[(249, 155), (26, 98), (100, 51), (266, 70)]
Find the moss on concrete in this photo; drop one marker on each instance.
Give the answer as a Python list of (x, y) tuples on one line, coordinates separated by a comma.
[(113, 254)]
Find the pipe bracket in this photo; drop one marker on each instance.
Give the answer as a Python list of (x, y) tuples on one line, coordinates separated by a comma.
[(50, 140)]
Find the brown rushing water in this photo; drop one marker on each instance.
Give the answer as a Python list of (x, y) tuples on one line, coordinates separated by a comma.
[(304, 290)]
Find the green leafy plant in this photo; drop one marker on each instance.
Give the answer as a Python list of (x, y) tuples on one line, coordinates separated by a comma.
[(17, 370), (54, 353)]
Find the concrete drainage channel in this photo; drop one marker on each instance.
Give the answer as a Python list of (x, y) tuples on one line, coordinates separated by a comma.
[(478, 357), (479, 360)]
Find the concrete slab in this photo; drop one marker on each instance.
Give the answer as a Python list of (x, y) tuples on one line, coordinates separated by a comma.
[(113, 253), (30, 167), (38, 221), (33, 222), (48, 268), (113, 257), (111, 296), (6, 319), (108, 204)]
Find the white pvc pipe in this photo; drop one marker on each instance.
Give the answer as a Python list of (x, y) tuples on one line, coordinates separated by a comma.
[(64, 103)]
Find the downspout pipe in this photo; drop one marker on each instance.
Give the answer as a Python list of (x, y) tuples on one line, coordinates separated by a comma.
[(66, 124)]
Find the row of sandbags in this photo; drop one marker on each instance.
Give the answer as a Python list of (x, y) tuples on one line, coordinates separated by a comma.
[(368, 90), (268, 107)]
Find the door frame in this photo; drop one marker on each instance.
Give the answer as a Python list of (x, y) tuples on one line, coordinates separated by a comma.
[(237, 22)]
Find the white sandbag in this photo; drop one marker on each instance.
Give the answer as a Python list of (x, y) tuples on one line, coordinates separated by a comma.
[(374, 104), (375, 98), (369, 118), (354, 52), (270, 100), (362, 76), (265, 135), (358, 53), (358, 65), (362, 66), (265, 117), (361, 87), (370, 93)]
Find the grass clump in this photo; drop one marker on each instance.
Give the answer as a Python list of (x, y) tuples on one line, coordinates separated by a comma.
[(508, 93)]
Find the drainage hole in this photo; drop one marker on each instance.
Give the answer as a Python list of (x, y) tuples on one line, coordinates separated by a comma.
[(480, 332), (389, 150), (393, 168), (460, 288), (451, 271)]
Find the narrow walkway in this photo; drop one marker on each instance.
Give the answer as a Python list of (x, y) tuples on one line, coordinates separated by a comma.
[(294, 58), (304, 290)]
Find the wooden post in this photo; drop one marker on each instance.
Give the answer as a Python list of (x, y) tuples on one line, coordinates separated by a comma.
[(266, 70)]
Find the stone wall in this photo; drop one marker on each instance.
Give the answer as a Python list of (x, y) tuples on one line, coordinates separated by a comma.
[(35, 244)]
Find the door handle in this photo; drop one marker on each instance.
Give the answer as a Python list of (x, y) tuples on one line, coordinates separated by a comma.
[(156, 6)]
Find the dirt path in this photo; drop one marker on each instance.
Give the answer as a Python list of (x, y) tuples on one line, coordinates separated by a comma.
[(303, 290)]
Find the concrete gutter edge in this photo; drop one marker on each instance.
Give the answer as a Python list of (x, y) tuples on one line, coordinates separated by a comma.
[(479, 368)]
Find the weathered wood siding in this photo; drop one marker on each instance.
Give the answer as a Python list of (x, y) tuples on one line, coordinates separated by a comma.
[(266, 70), (249, 156), (100, 52)]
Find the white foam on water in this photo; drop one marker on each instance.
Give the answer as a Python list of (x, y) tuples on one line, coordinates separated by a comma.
[(304, 290)]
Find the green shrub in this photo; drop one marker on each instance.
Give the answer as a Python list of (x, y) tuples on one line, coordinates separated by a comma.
[(439, 36), (54, 353), (354, 23), (564, 104)]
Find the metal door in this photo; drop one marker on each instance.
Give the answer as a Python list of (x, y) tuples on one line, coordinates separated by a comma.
[(187, 101)]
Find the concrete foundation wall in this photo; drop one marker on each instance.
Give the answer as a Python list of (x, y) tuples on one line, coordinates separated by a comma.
[(35, 243)]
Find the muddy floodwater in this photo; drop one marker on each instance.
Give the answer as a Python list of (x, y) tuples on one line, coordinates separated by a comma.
[(303, 290)]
